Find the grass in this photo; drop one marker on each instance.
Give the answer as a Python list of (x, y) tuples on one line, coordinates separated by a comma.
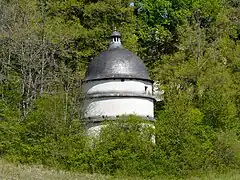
[(9, 171), (230, 175), (24, 172)]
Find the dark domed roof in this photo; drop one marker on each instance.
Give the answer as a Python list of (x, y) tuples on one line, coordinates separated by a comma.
[(116, 62)]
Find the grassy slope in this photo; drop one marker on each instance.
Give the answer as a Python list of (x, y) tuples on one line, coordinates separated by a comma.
[(24, 172), (12, 171)]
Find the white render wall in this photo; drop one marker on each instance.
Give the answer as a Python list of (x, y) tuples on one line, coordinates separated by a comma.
[(118, 86), (120, 105), (116, 106)]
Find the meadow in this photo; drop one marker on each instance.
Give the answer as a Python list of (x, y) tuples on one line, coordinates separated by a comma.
[(36, 172)]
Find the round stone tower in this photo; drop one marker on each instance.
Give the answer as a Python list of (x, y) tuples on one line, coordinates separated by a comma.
[(116, 83)]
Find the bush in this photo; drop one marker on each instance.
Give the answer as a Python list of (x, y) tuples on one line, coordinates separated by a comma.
[(188, 144), (44, 137), (124, 146), (184, 143)]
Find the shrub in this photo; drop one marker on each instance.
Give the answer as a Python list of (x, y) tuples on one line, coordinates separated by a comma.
[(124, 146), (184, 143)]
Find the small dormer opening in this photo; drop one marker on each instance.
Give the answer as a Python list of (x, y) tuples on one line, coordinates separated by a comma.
[(116, 39)]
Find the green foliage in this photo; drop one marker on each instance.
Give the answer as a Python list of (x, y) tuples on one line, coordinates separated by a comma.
[(190, 144), (159, 21), (124, 147), (44, 137), (183, 145)]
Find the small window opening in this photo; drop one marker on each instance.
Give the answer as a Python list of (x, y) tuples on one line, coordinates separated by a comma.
[(122, 80), (146, 89), (103, 117)]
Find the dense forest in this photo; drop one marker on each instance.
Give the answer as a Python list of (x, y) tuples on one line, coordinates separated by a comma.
[(191, 47)]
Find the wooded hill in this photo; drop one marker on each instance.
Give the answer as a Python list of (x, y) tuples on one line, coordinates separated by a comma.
[(192, 47)]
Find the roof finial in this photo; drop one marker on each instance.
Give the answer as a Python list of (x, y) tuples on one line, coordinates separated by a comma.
[(115, 40)]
